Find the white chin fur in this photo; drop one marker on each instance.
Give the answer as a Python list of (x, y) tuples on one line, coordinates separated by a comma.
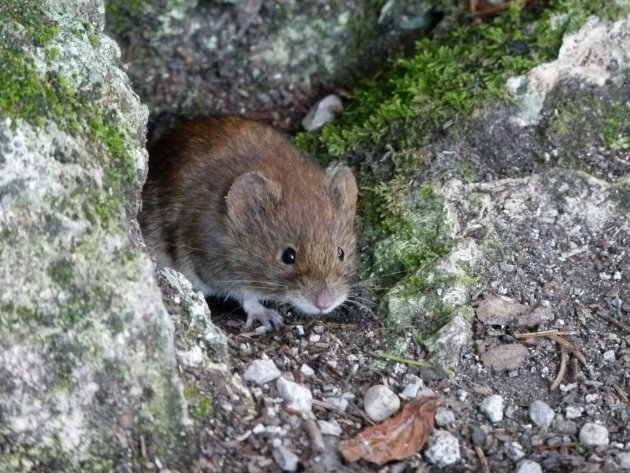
[(307, 307)]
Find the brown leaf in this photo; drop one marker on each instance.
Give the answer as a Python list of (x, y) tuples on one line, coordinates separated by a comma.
[(395, 439)]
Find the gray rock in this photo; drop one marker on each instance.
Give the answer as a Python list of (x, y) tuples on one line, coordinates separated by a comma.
[(261, 372), (380, 402), (623, 459), (450, 340), (197, 315), (297, 397), (541, 414), (609, 356), (593, 55), (593, 435), (85, 334), (329, 428), (443, 449), (444, 417), (498, 310), (339, 403), (492, 407), (528, 466), (505, 357), (285, 458), (540, 314)]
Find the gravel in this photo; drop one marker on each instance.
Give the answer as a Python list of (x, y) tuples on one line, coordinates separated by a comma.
[(593, 435), (492, 407), (285, 458), (443, 449), (528, 466), (295, 395), (261, 372), (380, 402), (541, 414)]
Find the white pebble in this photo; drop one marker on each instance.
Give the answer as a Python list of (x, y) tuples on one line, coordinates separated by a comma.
[(339, 403), (623, 458), (259, 429), (307, 370), (261, 371), (443, 449), (285, 458), (380, 402), (609, 356), (444, 417), (573, 412), (329, 428), (541, 414), (492, 407), (593, 435), (295, 395), (528, 466)]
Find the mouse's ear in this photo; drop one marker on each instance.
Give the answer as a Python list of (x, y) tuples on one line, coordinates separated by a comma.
[(344, 187), (251, 194)]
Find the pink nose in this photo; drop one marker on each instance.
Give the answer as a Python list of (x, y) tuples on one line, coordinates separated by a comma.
[(323, 299)]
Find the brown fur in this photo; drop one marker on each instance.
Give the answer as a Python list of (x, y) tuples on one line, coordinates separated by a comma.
[(226, 196)]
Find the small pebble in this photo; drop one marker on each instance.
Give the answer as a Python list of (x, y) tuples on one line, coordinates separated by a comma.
[(492, 407), (573, 412), (444, 417), (329, 428), (259, 429), (541, 414), (515, 452), (322, 112), (339, 403), (261, 371), (591, 397), (623, 458), (285, 458), (307, 370), (443, 449), (609, 356), (593, 435), (295, 395), (528, 466), (380, 402)]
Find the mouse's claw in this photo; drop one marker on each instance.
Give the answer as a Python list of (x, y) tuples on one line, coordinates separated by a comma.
[(269, 319)]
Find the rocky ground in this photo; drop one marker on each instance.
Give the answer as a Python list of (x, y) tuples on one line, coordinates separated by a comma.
[(538, 373)]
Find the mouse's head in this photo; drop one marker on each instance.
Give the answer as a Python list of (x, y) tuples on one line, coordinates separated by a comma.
[(292, 239)]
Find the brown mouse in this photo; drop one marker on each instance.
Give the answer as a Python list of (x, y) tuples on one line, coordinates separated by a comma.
[(237, 209)]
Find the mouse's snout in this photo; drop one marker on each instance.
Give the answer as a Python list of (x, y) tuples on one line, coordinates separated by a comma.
[(324, 299)]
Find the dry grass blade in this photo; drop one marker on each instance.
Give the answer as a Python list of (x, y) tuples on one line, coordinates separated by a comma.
[(561, 371), (395, 439), (567, 345)]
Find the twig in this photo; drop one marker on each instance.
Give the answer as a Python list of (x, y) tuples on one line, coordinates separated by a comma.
[(314, 432), (405, 361), (325, 405), (568, 346), (616, 322), (562, 369), (544, 333), (482, 458), (621, 393)]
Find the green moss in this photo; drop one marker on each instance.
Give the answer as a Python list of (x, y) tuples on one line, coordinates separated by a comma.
[(199, 405), (120, 14), (94, 39), (61, 272)]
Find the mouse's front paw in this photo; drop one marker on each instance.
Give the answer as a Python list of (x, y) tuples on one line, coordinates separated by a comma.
[(268, 318)]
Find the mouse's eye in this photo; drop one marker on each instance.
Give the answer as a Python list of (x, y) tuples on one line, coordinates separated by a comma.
[(289, 256), (340, 253)]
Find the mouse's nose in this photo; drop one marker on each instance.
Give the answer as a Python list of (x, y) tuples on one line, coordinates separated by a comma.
[(324, 299)]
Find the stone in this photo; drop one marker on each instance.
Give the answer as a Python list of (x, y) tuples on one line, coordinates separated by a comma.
[(593, 435), (609, 356), (515, 452), (285, 458), (450, 340), (541, 414), (443, 449), (297, 397), (505, 357), (498, 310), (444, 417), (623, 459), (329, 428), (339, 403), (380, 402), (492, 407), (528, 466), (261, 372), (540, 314), (307, 370), (322, 112), (573, 412)]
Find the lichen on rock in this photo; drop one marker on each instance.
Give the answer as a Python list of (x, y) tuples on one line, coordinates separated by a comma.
[(86, 353)]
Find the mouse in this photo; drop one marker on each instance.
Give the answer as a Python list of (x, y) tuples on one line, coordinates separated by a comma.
[(234, 206)]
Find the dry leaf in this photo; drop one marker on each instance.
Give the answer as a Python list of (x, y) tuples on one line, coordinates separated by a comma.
[(395, 439)]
